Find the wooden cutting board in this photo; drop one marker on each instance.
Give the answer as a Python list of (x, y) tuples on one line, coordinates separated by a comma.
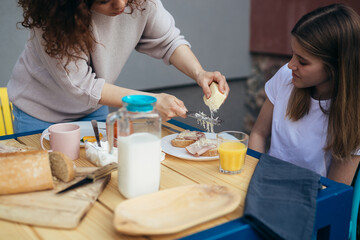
[(173, 210), (48, 209)]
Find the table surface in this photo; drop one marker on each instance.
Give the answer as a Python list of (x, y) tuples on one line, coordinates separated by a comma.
[(332, 213), (175, 172)]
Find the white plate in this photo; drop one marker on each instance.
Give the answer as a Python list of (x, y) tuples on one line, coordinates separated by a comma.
[(181, 152), (86, 130)]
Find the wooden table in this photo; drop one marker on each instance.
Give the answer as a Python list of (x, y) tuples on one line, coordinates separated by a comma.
[(97, 224)]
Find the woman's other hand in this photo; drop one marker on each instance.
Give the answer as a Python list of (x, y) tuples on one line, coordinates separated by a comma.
[(169, 106)]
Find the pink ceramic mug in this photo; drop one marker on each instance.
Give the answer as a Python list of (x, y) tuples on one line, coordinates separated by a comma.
[(65, 138)]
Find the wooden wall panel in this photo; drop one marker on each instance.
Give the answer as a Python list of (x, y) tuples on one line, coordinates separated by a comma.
[(271, 22)]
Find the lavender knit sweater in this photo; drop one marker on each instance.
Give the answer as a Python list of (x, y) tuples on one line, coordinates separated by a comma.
[(41, 87)]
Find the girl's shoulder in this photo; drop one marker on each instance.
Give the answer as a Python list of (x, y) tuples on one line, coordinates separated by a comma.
[(283, 75), (282, 78), (280, 84)]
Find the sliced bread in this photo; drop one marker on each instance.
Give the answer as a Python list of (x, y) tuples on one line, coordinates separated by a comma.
[(62, 167), (203, 147), (185, 138)]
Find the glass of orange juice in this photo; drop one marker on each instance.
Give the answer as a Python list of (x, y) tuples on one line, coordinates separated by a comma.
[(232, 147)]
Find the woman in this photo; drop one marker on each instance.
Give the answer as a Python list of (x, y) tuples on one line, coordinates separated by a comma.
[(312, 105), (76, 51)]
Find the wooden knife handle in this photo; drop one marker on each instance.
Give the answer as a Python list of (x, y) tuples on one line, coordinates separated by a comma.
[(102, 171)]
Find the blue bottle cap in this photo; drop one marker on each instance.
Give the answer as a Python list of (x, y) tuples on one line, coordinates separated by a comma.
[(139, 103)]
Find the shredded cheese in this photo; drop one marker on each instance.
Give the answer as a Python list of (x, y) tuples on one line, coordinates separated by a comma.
[(187, 133), (207, 125)]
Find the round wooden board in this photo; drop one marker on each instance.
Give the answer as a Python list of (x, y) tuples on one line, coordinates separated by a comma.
[(175, 209)]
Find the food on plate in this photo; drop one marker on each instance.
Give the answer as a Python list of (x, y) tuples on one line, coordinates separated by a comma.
[(203, 147), (187, 137), (216, 99), (25, 172), (91, 138), (62, 167)]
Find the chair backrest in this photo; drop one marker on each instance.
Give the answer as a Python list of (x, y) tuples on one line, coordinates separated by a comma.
[(6, 114), (355, 206)]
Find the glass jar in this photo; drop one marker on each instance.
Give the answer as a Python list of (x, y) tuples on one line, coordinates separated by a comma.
[(139, 145)]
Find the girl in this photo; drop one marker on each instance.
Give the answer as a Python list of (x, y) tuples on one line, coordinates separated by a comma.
[(76, 51), (312, 105)]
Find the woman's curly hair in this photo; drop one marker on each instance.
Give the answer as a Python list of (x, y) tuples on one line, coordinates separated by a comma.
[(66, 25)]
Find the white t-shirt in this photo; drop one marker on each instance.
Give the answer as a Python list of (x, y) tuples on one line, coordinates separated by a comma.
[(301, 142)]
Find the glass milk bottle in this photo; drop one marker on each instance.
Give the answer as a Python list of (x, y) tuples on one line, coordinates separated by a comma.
[(138, 131)]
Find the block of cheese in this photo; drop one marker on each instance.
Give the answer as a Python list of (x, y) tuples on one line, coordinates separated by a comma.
[(25, 172), (216, 99)]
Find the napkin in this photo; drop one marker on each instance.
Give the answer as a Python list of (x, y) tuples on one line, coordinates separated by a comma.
[(281, 200)]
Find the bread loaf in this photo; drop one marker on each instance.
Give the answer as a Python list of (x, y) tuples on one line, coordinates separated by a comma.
[(25, 172), (62, 166), (216, 99)]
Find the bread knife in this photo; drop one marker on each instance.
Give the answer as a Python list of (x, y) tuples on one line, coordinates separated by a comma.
[(89, 178)]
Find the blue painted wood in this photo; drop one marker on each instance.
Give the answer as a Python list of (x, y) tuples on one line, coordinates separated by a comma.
[(184, 125), (231, 230), (333, 210), (16, 135)]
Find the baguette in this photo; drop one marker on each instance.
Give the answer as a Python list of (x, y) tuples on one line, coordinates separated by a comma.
[(187, 137), (25, 172), (62, 167)]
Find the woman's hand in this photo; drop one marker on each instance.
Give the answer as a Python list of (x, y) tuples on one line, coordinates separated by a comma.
[(169, 106), (204, 79)]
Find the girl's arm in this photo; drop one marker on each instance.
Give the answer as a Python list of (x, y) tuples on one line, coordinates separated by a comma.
[(343, 171), (262, 128), (185, 61), (168, 105)]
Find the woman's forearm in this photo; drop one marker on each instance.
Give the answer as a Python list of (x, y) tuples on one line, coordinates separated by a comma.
[(168, 105), (111, 95), (257, 142), (262, 128), (186, 62), (343, 171)]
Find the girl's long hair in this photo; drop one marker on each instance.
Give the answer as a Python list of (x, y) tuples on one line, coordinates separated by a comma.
[(66, 25), (332, 33)]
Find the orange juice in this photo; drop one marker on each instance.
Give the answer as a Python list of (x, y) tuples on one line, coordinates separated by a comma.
[(232, 155)]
